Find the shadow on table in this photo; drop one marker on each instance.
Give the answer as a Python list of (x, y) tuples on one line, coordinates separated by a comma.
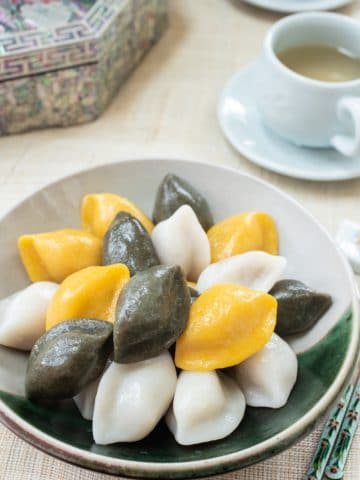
[(153, 62)]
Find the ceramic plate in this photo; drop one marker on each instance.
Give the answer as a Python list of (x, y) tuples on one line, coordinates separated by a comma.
[(292, 6), (242, 126), (323, 369)]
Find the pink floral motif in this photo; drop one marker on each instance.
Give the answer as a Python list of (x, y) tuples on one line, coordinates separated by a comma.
[(13, 18), (6, 20)]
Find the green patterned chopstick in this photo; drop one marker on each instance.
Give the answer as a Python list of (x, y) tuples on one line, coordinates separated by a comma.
[(336, 465), (328, 437)]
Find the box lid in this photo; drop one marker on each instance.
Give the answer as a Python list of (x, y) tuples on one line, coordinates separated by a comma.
[(42, 35)]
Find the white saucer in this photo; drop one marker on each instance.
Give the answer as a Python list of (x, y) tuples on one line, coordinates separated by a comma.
[(242, 126), (292, 6)]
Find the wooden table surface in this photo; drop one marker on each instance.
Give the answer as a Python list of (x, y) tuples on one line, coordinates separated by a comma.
[(167, 108)]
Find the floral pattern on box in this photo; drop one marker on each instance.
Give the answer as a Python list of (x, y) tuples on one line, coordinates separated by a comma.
[(73, 84), (67, 40), (20, 15)]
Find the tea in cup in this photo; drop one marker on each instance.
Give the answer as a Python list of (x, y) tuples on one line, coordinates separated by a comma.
[(308, 81), (325, 63)]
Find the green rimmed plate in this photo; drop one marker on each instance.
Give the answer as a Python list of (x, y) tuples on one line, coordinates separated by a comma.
[(312, 257)]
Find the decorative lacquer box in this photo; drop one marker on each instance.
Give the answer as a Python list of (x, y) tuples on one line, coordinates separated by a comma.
[(61, 61)]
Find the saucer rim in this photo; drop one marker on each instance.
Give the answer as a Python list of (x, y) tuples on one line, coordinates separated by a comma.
[(313, 5)]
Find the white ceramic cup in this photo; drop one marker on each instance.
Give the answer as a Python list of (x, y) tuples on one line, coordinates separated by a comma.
[(304, 111)]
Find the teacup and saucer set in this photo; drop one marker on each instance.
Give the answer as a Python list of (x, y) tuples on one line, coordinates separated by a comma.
[(289, 111)]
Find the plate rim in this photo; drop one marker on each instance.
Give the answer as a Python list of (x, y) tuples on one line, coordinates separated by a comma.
[(254, 157), (222, 463), (314, 5)]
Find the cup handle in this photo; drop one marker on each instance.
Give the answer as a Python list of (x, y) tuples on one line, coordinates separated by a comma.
[(348, 112)]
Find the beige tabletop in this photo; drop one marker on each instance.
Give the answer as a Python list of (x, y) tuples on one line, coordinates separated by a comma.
[(167, 109)]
